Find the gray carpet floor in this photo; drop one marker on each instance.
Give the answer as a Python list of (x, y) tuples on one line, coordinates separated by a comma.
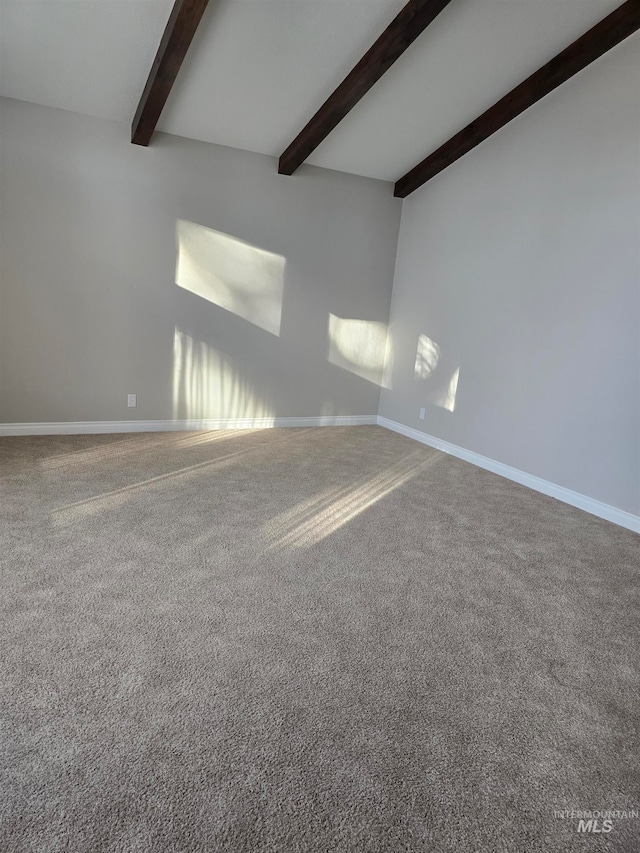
[(307, 640)]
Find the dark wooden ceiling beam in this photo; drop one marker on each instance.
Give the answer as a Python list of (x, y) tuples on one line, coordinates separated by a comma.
[(180, 30), (414, 18), (613, 29)]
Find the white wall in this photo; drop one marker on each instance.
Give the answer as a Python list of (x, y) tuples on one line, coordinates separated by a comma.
[(520, 266), (90, 310)]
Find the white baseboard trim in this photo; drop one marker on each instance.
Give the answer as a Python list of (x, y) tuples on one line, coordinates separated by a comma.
[(96, 427), (602, 510)]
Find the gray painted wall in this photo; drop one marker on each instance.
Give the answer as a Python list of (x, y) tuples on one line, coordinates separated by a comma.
[(89, 307), (520, 266)]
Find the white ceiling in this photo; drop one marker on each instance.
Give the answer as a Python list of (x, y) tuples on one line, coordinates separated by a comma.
[(258, 69), (88, 56)]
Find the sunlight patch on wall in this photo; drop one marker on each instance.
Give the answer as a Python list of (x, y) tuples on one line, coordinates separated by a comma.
[(312, 520), (387, 369), (427, 357), (432, 367), (447, 400), (231, 274), (209, 384), (358, 346)]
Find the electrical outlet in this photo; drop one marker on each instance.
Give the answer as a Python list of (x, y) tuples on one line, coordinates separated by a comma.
[(132, 400), (422, 414)]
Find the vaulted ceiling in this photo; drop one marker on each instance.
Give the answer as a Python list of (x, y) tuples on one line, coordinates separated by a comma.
[(258, 70)]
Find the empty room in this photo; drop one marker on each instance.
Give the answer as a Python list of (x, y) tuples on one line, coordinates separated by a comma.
[(319, 426)]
